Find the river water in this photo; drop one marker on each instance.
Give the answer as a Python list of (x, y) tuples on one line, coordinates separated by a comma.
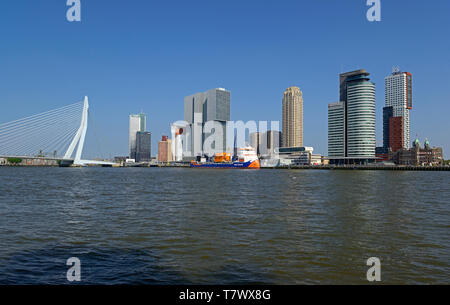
[(207, 226)]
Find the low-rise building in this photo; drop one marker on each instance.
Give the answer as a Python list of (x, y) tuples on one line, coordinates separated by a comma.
[(315, 159), (29, 161), (120, 159), (382, 154), (418, 156), (299, 155)]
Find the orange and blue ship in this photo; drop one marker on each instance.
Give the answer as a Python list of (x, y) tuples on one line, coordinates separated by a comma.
[(246, 158)]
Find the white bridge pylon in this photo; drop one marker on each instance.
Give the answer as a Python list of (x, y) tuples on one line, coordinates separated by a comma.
[(57, 134), (79, 138)]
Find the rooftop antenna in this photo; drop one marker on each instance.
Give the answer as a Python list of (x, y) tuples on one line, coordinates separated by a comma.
[(395, 69)]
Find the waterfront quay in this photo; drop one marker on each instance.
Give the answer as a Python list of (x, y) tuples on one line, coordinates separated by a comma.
[(50, 162), (28, 161), (337, 167), (374, 167)]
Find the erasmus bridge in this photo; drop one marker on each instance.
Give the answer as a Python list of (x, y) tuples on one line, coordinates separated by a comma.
[(53, 135)]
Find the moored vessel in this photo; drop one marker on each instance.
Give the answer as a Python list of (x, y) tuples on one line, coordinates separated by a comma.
[(246, 158)]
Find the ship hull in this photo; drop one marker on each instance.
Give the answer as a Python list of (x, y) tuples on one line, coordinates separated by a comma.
[(249, 165)]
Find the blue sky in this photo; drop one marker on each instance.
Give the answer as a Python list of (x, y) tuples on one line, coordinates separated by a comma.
[(135, 55)]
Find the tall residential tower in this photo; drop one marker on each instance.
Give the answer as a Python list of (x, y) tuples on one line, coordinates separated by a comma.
[(396, 113), (292, 132)]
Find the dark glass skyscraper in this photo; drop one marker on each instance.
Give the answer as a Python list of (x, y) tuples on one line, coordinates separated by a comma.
[(388, 112), (143, 146), (137, 123)]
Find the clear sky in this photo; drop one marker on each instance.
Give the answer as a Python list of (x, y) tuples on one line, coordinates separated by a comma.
[(142, 55)]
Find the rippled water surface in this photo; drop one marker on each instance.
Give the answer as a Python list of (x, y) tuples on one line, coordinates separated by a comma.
[(206, 226)]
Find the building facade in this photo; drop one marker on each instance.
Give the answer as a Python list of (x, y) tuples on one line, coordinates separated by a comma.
[(200, 108), (137, 124), (178, 132), (396, 128), (336, 130), (265, 143), (361, 140), (351, 121), (273, 141), (292, 125), (298, 156), (143, 146), (398, 97), (418, 156), (387, 114), (165, 150), (255, 141)]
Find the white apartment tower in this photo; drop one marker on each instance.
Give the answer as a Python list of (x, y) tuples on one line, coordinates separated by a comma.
[(292, 118), (399, 97)]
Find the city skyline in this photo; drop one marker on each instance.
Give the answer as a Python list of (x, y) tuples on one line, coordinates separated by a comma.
[(87, 59), (224, 151)]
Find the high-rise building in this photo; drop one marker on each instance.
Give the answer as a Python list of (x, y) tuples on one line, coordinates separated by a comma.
[(351, 121), (387, 114), (396, 129), (255, 140), (336, 129), (199, 108), (396, 114), (361, 139), (178, 137), (165, 150), (273, 141), (292, 118), (143, 146), (137, 123), (265, 143)]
